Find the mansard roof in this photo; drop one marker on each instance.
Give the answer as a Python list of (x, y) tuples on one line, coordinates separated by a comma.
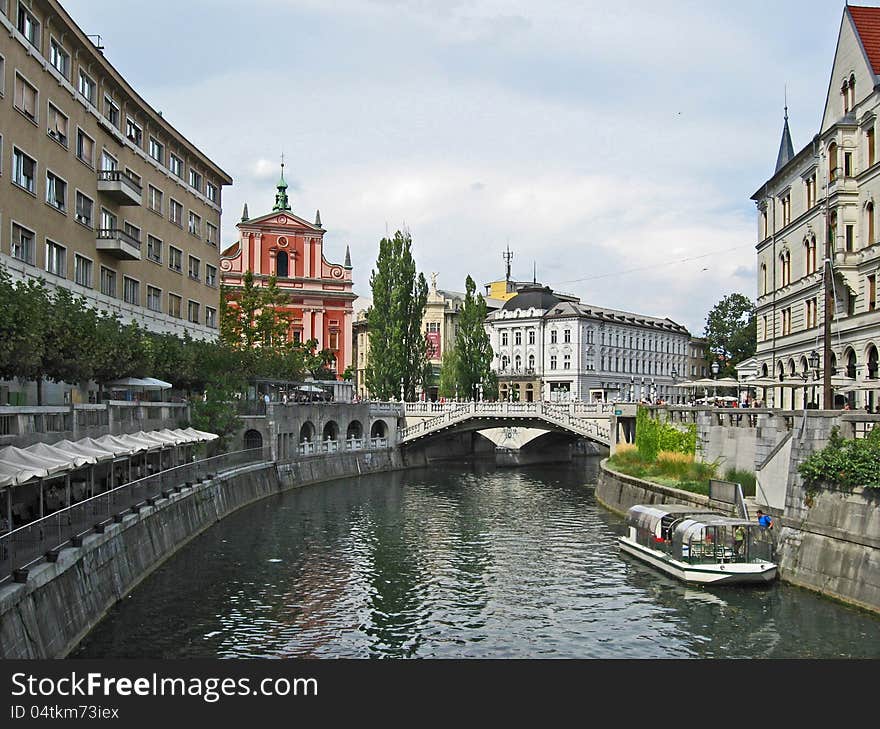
[(569, 309)]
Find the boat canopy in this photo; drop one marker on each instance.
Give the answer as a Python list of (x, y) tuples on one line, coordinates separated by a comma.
[(652, 517)]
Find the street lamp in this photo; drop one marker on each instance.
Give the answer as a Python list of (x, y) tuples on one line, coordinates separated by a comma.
[(632, 388), (674, 374), (716, 368)]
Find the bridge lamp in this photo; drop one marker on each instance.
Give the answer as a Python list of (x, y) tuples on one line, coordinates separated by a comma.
[(814, 362), (716, 368)]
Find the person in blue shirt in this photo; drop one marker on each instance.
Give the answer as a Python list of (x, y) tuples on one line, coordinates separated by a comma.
[(764, 520)]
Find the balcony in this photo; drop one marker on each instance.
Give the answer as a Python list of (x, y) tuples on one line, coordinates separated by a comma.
[(118, 244), (119, 187)]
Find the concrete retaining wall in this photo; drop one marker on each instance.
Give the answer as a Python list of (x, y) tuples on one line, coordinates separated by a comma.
[(47, 616), (828, 542)]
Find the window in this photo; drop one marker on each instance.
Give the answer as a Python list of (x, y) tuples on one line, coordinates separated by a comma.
[(503, 339), (22, 245), (552, 336), (194, 267), (869, 140), (157, 151), (155, 200), (531, 336), (847, 164), (811, 190), (786, 321), (210, 317), (24, 170), (765, 231), (59, 58), (132, 231), (175, 259), (56, 259), (84, 209), (195, 180), (211, 192), (812, 307), (134, 132), (832, 162), (552, 361), (175, 213), (131, 291), (531, 362), (174, 306), (154, 299), (108, 282), (517, 337), (108, 220), (786, 208), (566, 337), (25, 98), (154, 249), (850, 238), (175, 164), (211, 275), (784, 268), (108, 162), (211, 234), (2, 76), (195, 223), (28, 26), (566, 362), (87, 87), (111, 111), (56, 125), (810, 254), (192, 311), (56, 191), (85, 148), (872, 292), (82, 271), (765, 330)]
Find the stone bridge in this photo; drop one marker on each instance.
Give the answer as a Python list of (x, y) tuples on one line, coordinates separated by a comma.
[(583, 420)]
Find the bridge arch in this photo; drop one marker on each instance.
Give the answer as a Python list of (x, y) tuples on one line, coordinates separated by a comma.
[(379, 429), (307, 432), (331, 430), (354, 430)]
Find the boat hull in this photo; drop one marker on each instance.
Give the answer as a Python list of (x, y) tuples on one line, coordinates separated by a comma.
[(733, 573)]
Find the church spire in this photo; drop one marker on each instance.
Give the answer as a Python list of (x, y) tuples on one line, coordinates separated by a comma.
[(786, 150), (318, 218), (347, 257), (281, 202), (244, 214)]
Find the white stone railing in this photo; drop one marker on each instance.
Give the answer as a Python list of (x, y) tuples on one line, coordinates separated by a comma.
[(311, 448)]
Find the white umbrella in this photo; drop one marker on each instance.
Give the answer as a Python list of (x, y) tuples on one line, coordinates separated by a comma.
[(26, 459), (53, 451)]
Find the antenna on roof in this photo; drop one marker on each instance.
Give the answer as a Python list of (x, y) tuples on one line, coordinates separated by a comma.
[(508, 257), (534, 272)]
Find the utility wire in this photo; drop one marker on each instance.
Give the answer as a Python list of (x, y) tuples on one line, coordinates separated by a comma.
[(653, 265)]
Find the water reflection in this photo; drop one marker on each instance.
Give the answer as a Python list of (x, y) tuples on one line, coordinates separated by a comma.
[(464, 562)]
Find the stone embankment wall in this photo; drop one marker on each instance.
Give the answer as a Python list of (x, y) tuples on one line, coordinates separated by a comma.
[(828, 542), (60, 602)]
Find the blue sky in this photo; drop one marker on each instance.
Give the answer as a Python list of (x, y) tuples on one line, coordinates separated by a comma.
[(614, 146)]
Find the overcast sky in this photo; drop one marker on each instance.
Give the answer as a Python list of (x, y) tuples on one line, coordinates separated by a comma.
[(613, 145)]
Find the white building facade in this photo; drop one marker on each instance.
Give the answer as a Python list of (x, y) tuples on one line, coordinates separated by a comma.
[(560, 349), (825, 193)]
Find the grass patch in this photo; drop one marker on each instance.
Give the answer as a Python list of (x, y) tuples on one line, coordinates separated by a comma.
[(669, 468)]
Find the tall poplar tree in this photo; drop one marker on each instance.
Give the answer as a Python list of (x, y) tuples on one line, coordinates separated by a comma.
[(473, 350), (398, 347)]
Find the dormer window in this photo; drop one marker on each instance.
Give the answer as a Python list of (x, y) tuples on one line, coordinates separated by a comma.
[(852, 92)]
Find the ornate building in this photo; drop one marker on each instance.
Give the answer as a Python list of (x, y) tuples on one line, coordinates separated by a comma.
[(824, 195), (289, 247), (553, 347)]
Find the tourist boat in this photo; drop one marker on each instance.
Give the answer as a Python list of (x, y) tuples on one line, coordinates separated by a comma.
[(699, 546)]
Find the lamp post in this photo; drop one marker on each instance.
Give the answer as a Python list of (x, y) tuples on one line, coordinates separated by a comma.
[(814, 360), (674, 374), (480, 390), (632, 388), (716, 368), (653, 392)]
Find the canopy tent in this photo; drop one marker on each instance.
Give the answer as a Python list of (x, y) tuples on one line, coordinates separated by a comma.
[(87, 447), (54, 451), (153, 438), (727, 382), (143, 383), (119, 446), (310, 388), (200, 435), (14, 474), (177, 435), (862, 386), (18, 466)]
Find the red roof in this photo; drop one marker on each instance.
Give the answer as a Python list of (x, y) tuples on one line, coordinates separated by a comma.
[(867, 22)]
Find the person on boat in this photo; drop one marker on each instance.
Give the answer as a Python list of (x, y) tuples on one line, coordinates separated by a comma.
[(764, 520), (739, 539)]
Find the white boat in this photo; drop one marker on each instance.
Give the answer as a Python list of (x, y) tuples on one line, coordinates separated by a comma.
[(699, 546)]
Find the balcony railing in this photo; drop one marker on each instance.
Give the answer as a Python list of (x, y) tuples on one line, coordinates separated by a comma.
[(118, 243), (119, 187)]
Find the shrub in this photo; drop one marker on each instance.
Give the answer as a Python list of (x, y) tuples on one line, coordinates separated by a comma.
[(652, 436), (844, 463), (672, 463), (744, 478)]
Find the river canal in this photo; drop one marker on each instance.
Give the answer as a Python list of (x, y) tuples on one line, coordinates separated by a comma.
[(453, 562)]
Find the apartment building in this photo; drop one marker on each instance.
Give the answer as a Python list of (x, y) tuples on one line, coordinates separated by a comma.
[(98, 192)]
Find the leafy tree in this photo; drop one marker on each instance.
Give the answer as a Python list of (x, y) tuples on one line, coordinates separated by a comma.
[(24, 326), (349, 374), (448, 374), (70, 332), (731, 332), (253, 315), (119, 351), (472, 346), (398, 348)]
